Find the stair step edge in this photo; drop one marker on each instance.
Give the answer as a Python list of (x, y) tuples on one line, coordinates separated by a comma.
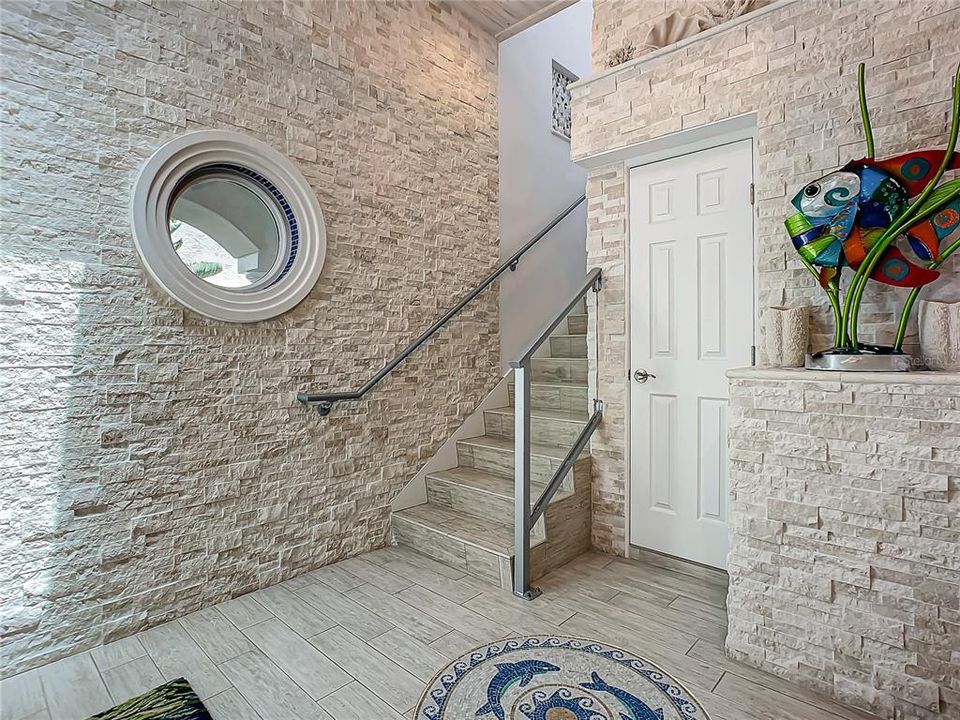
[(547, 451), (548, 383), (538, 414), (534, 541), (535, 488)]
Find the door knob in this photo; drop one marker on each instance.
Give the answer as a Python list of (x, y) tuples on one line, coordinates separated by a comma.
[(641, 375)]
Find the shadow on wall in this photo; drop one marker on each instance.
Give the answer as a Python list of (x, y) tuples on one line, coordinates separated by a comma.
[(155, 462), (167, 471)]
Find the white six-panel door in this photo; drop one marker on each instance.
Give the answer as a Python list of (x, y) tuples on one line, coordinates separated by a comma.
[(691, 319)]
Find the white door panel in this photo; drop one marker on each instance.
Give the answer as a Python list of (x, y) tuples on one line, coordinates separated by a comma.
[(691, 305)]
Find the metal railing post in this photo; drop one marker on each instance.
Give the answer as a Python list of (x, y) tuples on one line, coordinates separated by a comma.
[(521, 485)]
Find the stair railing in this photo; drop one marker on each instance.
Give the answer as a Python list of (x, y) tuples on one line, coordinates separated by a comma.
[(526, 517), (323, 401)]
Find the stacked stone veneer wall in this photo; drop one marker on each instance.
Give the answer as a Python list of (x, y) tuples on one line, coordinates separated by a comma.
[(153, 461), (618, 22), (794, 68), (845, 519)]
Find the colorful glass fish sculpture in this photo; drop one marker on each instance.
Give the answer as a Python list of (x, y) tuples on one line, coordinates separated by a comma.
[(842, 214)]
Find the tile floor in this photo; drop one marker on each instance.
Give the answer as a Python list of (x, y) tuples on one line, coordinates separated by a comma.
[(359, 640)]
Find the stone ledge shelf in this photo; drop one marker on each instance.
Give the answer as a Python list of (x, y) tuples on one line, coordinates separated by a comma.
[(917, 377), (653, 55), (845, 534)]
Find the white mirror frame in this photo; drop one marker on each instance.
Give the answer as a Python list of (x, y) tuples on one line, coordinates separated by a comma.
[(152, 196)]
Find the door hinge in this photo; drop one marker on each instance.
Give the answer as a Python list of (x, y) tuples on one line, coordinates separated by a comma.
[(753, 194), (753, 356)]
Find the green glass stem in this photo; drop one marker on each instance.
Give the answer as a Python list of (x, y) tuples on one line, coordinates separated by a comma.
[(833, 295), (915, 292), (838, 336), (864, 112), (907, 218)]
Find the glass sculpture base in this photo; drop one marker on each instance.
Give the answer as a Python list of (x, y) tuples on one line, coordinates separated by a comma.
[(871, 358)]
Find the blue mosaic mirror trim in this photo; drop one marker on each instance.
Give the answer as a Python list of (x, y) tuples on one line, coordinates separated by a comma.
[(281, 201)]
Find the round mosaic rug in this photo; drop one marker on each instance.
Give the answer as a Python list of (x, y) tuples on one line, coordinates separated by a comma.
[(544, 677)]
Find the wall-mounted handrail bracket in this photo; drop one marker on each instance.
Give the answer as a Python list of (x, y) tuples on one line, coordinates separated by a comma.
[(324, 400), (526, 517)]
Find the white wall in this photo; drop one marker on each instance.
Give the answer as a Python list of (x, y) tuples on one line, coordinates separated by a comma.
[(537, 178)]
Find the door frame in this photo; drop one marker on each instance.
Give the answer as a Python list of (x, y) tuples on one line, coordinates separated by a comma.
[(668, 147)]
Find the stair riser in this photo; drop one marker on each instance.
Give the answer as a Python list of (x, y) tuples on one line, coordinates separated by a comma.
[(559, 370), (567, 527), (555, 397), (478, 504), (500, 462), (546, 431), (469, 501), (569, 346), (577, 324), (452, 552)]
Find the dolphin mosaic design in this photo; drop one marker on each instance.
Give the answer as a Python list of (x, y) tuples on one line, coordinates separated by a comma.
[(507, 675), (639, 710), (564, 700)]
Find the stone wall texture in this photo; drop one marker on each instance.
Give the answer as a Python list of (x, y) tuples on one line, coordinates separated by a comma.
[(153, 461), (623, 21), (845, 552), (794, 67)]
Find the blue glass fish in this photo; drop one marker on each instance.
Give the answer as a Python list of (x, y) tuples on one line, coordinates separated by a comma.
[(842, 214)]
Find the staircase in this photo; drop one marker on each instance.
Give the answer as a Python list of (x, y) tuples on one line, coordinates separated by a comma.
[(467, 522)]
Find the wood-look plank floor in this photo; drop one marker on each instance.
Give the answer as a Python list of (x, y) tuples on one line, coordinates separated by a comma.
[(359, 640)]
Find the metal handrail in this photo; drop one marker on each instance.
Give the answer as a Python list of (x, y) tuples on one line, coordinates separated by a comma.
[(591, 283), (525, 519), (540, 506), (324, 401)]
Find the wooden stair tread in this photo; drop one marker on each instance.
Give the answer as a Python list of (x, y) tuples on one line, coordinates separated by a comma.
[(546, 414), (551, 383), (489, 483), (494, 537), (550, 358), (503, 443), (476, 479)]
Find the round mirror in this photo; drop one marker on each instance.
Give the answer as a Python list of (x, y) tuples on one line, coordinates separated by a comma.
[(226, 230), (228, 226)]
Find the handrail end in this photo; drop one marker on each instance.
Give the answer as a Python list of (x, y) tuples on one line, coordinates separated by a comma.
[(598, 279), (323, 406)]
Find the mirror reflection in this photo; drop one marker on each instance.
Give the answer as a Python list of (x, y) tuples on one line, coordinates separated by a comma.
[(224, 231)]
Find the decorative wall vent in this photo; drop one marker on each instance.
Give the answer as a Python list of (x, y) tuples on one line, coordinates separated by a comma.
[(561, 100)]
